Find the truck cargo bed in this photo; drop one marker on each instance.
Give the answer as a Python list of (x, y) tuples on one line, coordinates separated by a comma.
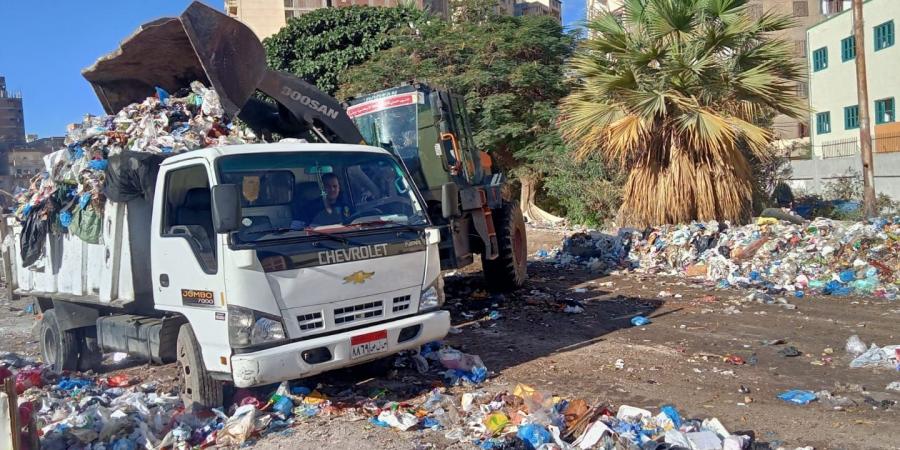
[(114, 272)]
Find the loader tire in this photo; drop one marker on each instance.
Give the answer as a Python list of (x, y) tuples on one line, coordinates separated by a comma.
[(199, 390), (60, 349), (509, 270)]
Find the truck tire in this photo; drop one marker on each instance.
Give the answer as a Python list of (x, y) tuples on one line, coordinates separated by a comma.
[(60, 349), (198, 389), (509, 270)]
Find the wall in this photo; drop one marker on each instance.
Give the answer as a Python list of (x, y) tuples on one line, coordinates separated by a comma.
[(834, 88), (810, 174)]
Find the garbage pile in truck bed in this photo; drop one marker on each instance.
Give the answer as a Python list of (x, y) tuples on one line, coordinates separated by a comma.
[(118, 412), (69, 195), (824, 256)]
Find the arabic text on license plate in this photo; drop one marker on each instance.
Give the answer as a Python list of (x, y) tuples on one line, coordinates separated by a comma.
[(367, 344)]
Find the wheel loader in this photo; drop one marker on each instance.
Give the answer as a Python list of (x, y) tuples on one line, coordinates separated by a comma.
[(425, 127)]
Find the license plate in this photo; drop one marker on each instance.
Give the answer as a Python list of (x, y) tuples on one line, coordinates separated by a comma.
[(368, 344)]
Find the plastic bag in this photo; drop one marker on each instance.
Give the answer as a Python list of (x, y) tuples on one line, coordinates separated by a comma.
[(533, 435), (797, 397), (639, 321), (245, 421), (855, 345)]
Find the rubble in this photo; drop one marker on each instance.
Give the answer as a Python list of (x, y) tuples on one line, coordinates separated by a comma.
[(777, 258)]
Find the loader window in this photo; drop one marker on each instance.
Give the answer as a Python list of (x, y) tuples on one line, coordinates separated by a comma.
[(188, 214)]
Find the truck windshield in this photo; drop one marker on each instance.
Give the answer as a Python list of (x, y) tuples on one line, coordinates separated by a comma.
[(391, 123), (319, 194)]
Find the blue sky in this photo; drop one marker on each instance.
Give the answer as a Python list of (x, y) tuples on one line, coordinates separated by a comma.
[(44, 46)]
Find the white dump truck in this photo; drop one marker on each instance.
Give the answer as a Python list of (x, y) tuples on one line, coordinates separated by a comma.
[(248, 264)]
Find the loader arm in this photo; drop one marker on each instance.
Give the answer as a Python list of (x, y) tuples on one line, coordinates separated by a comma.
[(203, 44)]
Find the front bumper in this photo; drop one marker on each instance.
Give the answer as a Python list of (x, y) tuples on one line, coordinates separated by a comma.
[(285, 362)]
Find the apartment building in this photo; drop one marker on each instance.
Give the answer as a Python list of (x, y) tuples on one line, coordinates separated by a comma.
[(833, 97)]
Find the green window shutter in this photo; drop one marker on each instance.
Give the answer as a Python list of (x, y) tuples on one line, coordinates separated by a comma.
[(884, 35), (848, 49), (884, 110), (820, 59), (851, 117), (823, 123)]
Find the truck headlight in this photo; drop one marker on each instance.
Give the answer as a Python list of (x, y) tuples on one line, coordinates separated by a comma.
[(433, 296), (247, 327)]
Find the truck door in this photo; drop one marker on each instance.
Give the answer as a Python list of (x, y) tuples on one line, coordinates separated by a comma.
[(186, 255)]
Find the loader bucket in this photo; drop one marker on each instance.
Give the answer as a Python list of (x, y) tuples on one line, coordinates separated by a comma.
[(200, 45)]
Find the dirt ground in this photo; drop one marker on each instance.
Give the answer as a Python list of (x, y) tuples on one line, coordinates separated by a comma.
[(676, 359)]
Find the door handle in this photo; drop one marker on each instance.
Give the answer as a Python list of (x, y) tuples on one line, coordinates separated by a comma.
[(164, 280)]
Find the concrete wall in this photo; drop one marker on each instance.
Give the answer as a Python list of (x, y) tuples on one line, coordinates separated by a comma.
[(809, 175), (834, 88)]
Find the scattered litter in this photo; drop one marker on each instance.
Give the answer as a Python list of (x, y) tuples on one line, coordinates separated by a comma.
[(797, 397), (639, 321), (855, 346), (789, 352), (875, 356)]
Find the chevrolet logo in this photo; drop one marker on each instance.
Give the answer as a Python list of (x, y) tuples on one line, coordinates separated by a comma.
[(358, 277)]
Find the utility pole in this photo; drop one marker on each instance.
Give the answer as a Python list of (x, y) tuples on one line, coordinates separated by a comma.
[(862, 88)]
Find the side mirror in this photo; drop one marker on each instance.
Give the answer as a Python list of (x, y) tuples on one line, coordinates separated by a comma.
[(226, 208), (450, 200)]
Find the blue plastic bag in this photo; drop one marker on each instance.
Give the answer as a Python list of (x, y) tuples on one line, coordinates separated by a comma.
[(284, 406), (68, 384), (533, 435), (639, 321), (797, 397), (799, 294), (84, 200), (672, 414), (834, 287), (163, 95), (379, 423), (300, 390), (65, 218), (847, 276), (98, 164)]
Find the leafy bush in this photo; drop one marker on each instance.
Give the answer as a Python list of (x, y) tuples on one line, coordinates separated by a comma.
[(322, 44)]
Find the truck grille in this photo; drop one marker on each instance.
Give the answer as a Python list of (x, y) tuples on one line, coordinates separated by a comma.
[(310, 321), (362, 311), (401, 303)]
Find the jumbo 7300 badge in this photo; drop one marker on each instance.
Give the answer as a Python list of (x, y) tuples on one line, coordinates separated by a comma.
[(193, 297)]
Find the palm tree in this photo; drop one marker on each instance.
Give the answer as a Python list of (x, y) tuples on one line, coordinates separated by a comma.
[(676, 91)]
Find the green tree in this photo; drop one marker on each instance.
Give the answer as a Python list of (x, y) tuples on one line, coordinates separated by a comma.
[(675, 92), (320, 45), (510, 70)]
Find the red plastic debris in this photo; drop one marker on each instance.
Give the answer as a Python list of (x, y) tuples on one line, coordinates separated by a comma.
[(119, 380), (27, 378), (735, 359), (4, 373)]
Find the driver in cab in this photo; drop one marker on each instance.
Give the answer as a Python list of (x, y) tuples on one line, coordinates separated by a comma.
[(330, 209)]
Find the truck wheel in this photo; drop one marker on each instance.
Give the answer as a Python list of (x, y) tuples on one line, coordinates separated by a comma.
[(59, 348), (509, 271), (198, 389)]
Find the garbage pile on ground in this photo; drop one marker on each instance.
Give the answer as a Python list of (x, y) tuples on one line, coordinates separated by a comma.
[(119, 412), (825, 256), (115, 157)]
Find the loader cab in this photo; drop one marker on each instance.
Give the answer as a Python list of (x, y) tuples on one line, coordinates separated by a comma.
[(427, 128)]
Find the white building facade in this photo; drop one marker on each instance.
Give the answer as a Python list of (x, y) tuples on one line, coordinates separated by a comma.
[(834, 106)]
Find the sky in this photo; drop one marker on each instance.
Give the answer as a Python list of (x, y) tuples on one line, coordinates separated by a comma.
[(42, 53)]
